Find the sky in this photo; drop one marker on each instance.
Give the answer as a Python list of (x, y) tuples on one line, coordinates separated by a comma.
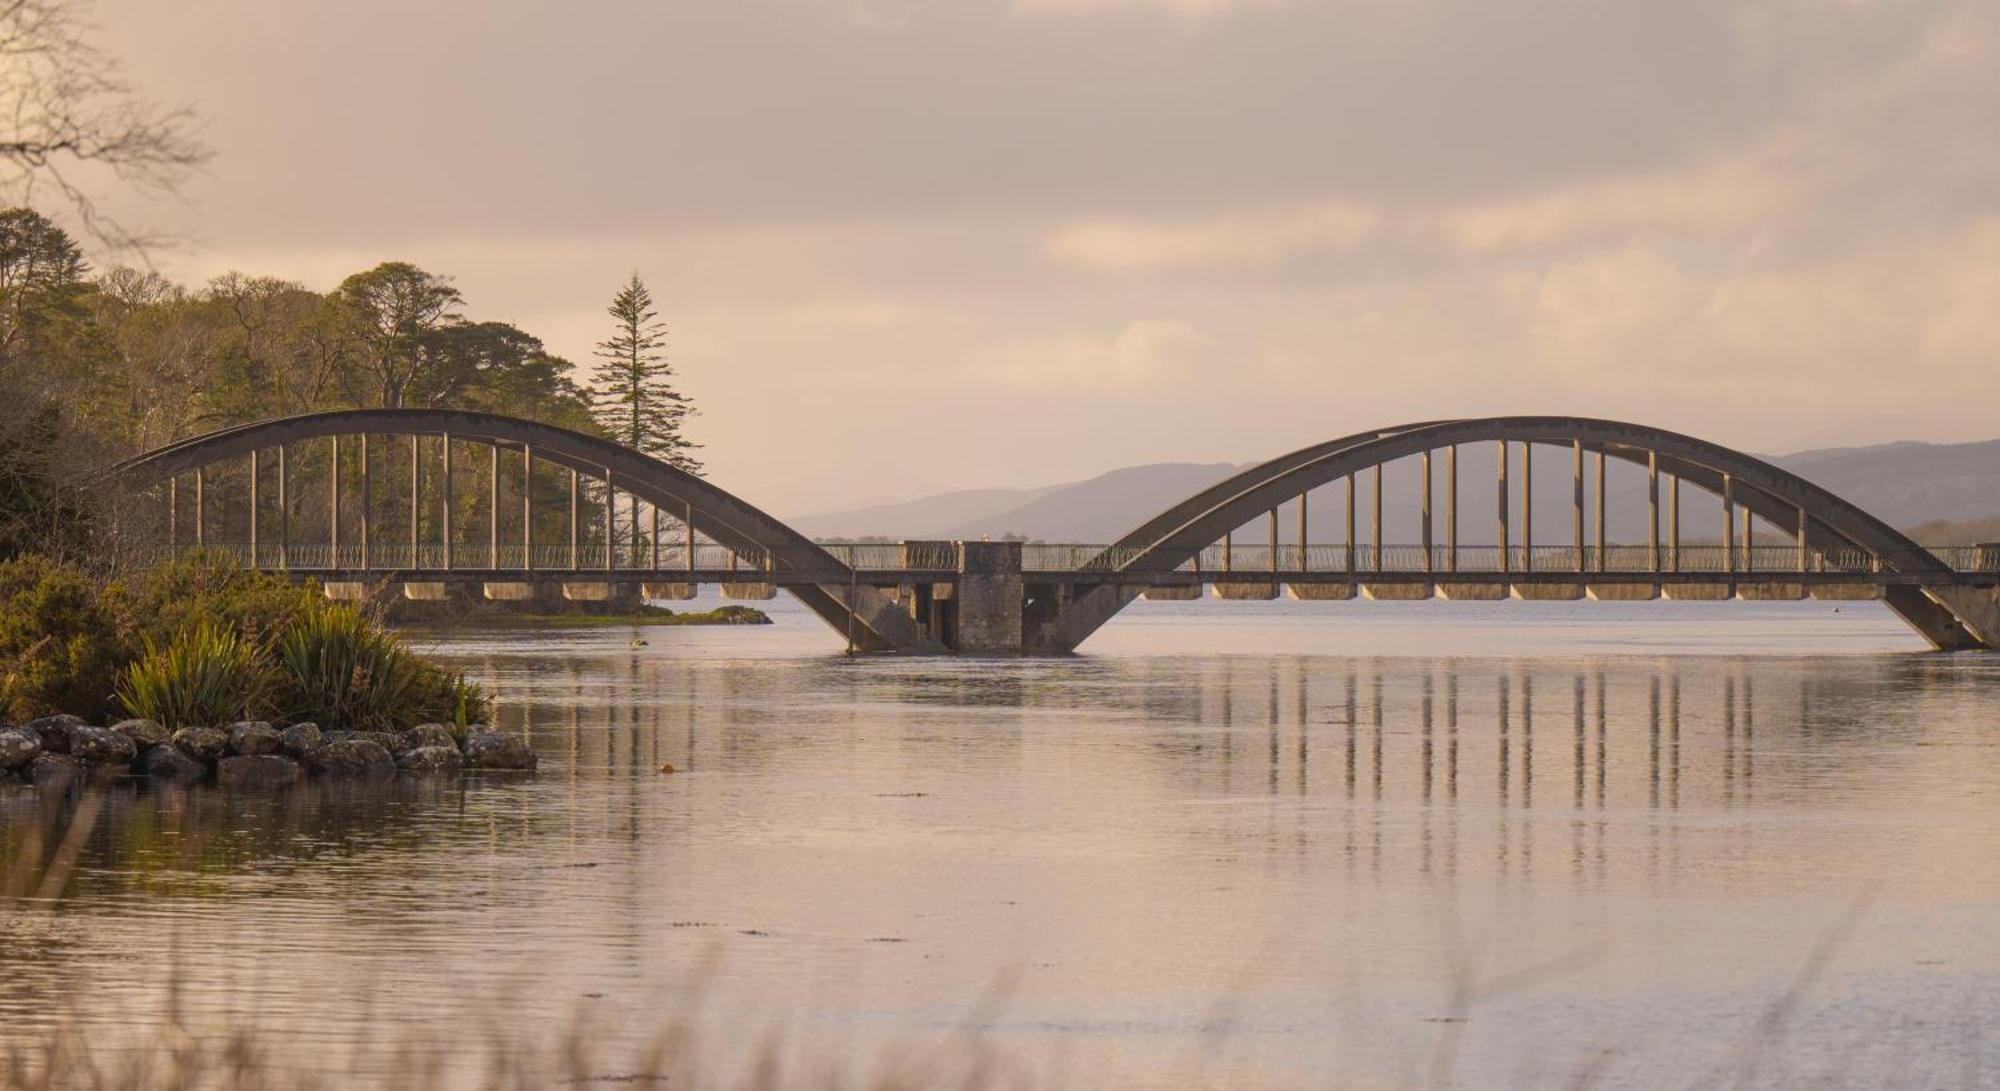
[(907, 246)]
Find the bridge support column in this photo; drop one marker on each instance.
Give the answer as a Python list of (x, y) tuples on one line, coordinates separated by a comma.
[(989, 597), (1975, 609)]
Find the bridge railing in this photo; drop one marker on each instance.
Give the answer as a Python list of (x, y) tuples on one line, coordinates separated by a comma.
[(1044, 557), (474, 556)]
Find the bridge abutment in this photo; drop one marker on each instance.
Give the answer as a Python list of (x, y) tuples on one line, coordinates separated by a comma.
[(990, 598)]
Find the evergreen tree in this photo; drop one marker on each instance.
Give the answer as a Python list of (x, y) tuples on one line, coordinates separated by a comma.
[(635, 399)]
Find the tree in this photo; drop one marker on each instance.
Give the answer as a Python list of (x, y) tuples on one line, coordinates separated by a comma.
[(68, 112), (41, 283), (635, 397), (392, 315)]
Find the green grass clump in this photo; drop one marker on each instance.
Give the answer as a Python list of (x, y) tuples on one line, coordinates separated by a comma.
[(342, 672), (205, 675)]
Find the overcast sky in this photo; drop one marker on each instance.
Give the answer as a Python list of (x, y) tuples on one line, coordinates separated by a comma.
[(913, 245)]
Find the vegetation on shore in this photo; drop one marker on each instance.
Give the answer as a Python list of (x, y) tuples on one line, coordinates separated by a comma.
[(652, 615), (202, 641)]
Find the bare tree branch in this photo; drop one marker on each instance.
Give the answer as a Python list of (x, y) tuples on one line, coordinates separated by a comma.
[(66, 106)]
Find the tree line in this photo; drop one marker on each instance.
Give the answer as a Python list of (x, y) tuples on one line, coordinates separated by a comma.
[(99, 365)]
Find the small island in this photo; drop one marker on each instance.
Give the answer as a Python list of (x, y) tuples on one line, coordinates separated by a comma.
[(201, 669)]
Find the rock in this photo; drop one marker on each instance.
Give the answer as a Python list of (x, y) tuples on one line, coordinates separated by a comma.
[(254, 737), (257, 770), (18, 748), (424, 735), (171, 763), (209, 744), (486, 748), (106, 773), (54, 731), (299, 740), (431, 761), (101, 746), (145, 734), (53, 771), (387, 740), (353, 758)]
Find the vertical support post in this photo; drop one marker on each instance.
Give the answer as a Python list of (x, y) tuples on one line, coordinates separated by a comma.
[(1227, 542), (201, 507), (444, 488), (1273, 526), (254, 475), (333, 502), (1576, 482), (416, 501), (1729, 523), (174, 515), (1425, 468), (1350, 524), (1674, 523), (1652, 510), (1451, 507), (1527, 507), (1375, 522), (654, 511), (493, 510), (367, 495), (1603, 540), (610, 535), (1506, 542), (284, 511), (575, 523), (1803, 559), (527, 507), (688, 512), (1749, 540), (1305, 540)]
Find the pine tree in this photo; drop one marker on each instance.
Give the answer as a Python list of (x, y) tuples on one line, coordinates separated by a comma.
[(635, 399)]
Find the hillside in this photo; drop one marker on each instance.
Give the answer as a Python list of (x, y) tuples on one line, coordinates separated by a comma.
[(1905, 484)]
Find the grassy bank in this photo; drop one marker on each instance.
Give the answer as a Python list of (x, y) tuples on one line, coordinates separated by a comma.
[(721, 615)]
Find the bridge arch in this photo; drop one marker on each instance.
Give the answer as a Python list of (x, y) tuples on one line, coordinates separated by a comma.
[(1823, 520), (772, 547)]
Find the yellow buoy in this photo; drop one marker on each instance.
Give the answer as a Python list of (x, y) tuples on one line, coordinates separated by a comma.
[(666, 767)]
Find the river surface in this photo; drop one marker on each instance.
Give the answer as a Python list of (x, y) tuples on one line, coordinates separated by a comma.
[(1233, 844)]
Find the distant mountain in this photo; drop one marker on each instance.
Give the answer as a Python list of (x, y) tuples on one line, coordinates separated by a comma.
[(1903, 483), (921, 518)]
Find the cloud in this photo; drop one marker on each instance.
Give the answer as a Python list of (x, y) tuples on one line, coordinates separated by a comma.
[(1251, 239)]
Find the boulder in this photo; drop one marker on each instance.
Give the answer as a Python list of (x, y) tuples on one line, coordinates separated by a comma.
[(101, 746), (387, 740), (299, 740), (257, 770), (105, 773), (18, 748), (254, 737), (53, 771), (432, 761), (486, 748), (353, 758), (171, 763), (145, 734), (54, 731), (424, 735), (209, 744)]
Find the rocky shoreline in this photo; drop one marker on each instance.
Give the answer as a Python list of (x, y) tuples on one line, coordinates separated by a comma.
[(55, 752)]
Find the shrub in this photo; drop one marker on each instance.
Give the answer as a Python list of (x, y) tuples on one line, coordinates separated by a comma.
[(163, 602), (344, 672), (60, 649), (206, 675)]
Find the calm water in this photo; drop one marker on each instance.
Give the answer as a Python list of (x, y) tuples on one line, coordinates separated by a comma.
[(1292, 845)]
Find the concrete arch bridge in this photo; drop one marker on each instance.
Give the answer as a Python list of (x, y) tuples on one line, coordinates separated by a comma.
[(452, 502)]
